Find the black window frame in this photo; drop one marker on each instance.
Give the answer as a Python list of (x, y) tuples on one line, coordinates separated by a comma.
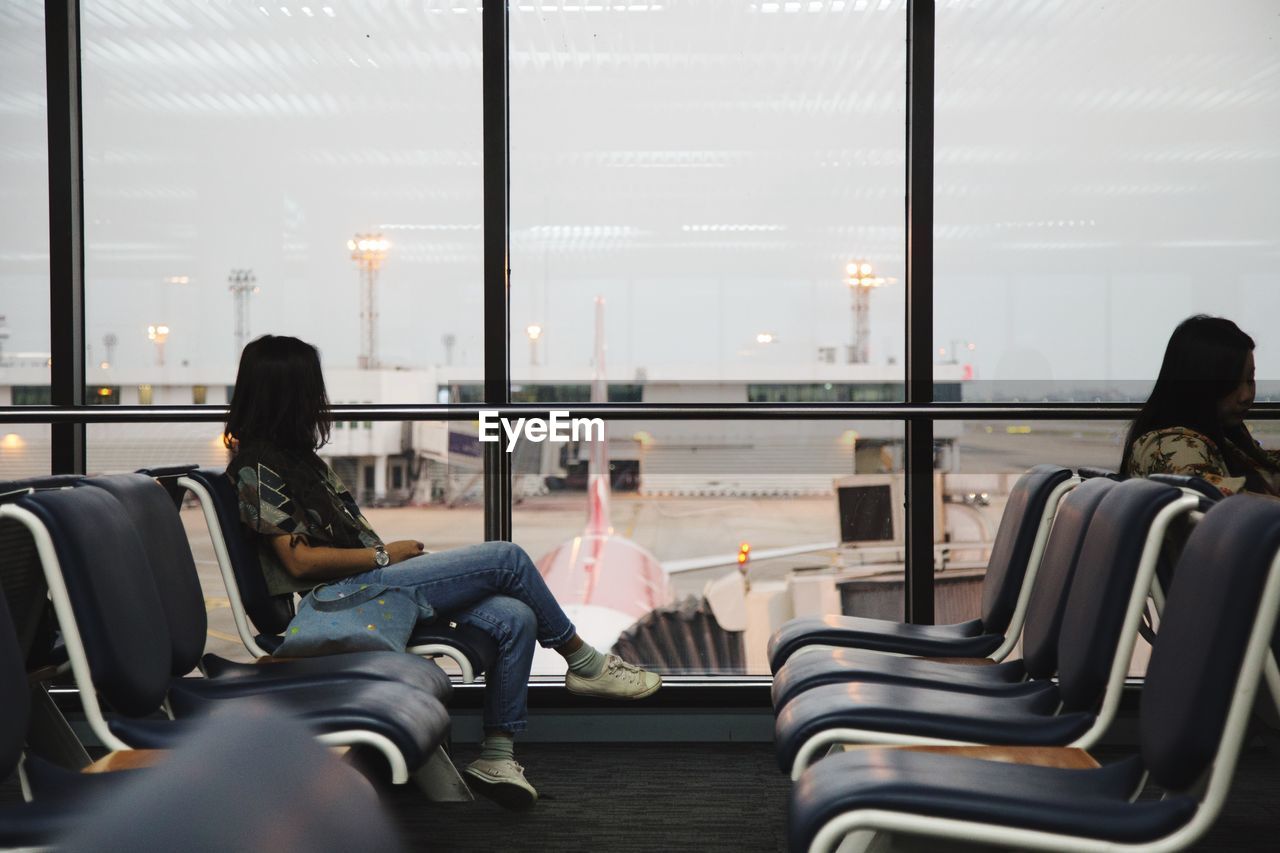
[(923, 403)]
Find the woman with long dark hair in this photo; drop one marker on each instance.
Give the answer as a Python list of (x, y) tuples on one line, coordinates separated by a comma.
[(1193, 422), (310, 531)]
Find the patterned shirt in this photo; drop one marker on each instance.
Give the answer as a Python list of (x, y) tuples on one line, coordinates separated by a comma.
[(1178, 450), (284, 494)]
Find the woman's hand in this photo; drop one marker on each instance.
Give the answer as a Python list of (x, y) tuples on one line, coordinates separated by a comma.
[(403, 549)]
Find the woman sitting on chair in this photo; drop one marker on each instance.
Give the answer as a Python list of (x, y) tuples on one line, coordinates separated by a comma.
[(310, 531), (1193, 422)]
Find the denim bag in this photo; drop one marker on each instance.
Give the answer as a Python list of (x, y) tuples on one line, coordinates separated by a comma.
[(372, 618)]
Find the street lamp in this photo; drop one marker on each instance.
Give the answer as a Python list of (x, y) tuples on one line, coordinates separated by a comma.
[(158, 333), (368, 251), (861, 278), (242, 284), (534, 331)]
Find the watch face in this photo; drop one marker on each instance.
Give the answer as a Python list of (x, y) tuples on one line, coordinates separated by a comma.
[(381, 557)]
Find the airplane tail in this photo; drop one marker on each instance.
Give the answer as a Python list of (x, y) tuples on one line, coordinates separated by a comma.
[(598, 520)]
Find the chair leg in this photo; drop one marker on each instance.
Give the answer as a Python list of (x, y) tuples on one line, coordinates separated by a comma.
[(440, 780), (51, 736)]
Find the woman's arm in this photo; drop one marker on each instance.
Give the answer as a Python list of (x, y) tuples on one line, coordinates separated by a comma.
[(323, 563)]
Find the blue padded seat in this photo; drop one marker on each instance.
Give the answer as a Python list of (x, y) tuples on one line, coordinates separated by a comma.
[(1040, 638), (121, 618), (1094, 614), (1192, 689), (271, 614), (1006, 568), (169, 557), (1092, 803)]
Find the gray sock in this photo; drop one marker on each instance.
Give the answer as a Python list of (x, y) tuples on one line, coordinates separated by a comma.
[(586, 661), (497, 747)]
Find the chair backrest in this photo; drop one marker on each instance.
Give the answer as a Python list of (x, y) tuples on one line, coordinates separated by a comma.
[(1199, 485), (1088, 472), (156, 519), (1103, 587), (112, 593), (20, 575), (1014, 542), (15, 708), (1204, 633), (271, 614), (1057, 569)]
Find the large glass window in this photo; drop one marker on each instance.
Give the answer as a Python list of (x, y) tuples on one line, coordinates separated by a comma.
[(708, 170), (24, 206), (710, 534), (1102, 172), (283, 169)]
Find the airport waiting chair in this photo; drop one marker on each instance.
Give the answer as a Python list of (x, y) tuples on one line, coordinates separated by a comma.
[(164, 539), (1088, 472), (471, 649), (1194, 713), (1026, 675), (1011, 569), (249, 781), (117, 638), (1099, 629), (1190, 484)]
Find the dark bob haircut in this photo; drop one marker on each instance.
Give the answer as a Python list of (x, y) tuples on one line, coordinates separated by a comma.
[(279, 396), (1203, 362)]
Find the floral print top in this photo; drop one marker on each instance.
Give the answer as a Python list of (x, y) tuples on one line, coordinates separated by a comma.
[(1178, 450)]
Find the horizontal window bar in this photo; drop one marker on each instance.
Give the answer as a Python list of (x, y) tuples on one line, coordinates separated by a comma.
[(618, 411)]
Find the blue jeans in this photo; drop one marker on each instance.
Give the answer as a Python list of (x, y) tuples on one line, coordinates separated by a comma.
[(496, 588)]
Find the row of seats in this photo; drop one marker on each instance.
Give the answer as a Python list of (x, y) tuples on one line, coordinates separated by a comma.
[(938, 740), (116, 566)]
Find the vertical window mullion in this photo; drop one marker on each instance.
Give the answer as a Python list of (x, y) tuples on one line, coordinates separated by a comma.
[(66, 229), (497, 242), (918, 461)]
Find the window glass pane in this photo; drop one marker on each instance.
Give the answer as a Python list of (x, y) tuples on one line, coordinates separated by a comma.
[(709, 170), (24, 451), (24, 206), (684, 497), (1103, 171), (233, 150)]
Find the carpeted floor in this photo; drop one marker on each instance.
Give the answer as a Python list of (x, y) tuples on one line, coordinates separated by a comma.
[(649, 798), (645, 798)]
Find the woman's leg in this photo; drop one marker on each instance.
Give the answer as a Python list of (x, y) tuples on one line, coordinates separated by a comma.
[(513, 624), (455, 580)]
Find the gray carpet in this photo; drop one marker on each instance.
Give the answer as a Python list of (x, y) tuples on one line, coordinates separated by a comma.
[(718, 797)]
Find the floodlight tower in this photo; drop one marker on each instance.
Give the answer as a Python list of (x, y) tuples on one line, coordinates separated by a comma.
[(368, 251), (861, 279), (242, 284)]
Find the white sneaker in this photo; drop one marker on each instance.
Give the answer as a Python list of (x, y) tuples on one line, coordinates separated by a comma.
[(618, 680), (501, 781)]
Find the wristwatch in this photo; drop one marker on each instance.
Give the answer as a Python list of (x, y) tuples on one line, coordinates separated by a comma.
[(380, 557)]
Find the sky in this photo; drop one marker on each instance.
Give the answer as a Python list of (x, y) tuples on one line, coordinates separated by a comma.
[(709, 168)]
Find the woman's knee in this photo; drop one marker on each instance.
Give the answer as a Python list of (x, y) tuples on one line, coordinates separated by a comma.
[(516, 617)]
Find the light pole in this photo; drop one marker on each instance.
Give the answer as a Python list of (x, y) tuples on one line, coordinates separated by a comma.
[(109, 341), (534, 331), (242, 284), (158, 333), (861, 279), (368, 251)]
